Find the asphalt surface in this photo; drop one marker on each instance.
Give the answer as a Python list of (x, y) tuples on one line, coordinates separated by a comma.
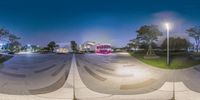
[(34, 73)]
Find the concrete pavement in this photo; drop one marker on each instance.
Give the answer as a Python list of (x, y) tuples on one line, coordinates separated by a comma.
[(162, 88), (96, 78), (35, 77)]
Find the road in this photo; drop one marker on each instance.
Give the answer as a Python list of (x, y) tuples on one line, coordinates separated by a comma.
[(34, 74)]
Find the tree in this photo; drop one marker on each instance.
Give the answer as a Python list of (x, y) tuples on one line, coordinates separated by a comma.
[(13, 38), (6, 34), (176, 44), (51, 46), (133, 44), (14, 46), (149, 34), (3, 33), (194, 32), (74, 46)]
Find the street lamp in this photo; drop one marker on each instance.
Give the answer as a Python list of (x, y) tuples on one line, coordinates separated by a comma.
[(168, 28)]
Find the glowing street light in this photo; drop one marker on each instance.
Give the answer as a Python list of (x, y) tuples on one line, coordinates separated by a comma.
[(28, 45)]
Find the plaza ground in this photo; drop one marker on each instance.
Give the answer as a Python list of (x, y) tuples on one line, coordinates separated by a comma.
[(100, 77), (33, 74)]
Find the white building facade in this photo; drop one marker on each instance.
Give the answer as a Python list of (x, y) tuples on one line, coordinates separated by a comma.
[(88, 46), (63, 48)]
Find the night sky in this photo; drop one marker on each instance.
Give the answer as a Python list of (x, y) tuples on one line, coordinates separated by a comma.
[(110, 21)]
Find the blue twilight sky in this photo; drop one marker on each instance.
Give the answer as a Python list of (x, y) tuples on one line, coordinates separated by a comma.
[(110, 21)]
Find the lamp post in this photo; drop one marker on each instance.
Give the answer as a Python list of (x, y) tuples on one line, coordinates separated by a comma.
[(167, 27)]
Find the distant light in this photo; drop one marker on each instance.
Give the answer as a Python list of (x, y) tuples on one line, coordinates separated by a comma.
[(27, 52), (167, 25), (28, 45)]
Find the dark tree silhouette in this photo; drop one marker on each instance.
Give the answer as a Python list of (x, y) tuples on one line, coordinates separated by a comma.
[(74, 46), (194, 32), (51, 46), (176, 44), (149, 34)]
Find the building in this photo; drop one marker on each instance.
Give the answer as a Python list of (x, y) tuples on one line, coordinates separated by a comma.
[(88, 46), (63, 48), (27, 49), (100, 48), (103, 49)]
